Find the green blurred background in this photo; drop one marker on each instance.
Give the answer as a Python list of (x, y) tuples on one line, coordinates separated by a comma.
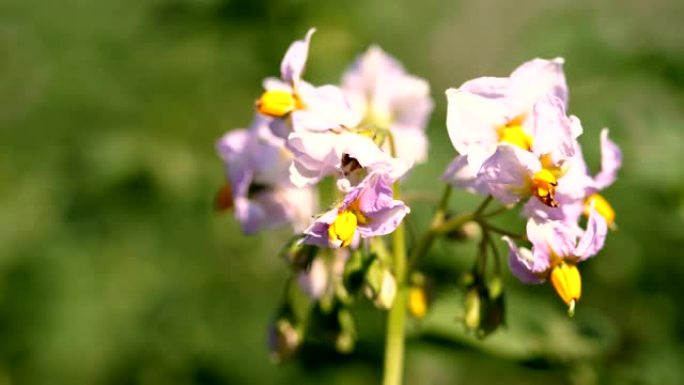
[(115, 270)]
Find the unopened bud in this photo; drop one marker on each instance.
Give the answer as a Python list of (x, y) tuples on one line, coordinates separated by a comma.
[(314, 282), (284, 340), (469, 230), (473, 306), (388, 290), (344, 343), (485, 306), (417, 302)]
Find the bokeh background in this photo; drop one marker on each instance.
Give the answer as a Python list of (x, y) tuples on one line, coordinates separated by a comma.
[(115, 270)]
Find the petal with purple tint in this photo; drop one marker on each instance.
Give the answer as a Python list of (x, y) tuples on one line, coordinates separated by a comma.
[(317, 154), (374, 200), (536, 78), (522, 264), (317, 233), (488, 87), (459, 174), (552, 130), (471, 123), (611, 161), (508, 173), (551, 238), (384, 95), (294, 61), (594, 237), (325, 108)]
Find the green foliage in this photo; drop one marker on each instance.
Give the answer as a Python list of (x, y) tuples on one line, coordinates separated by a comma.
[(115, 270)]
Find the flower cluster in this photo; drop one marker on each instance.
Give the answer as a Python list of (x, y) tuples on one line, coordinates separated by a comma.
[(364, 134), (329, 161), (517, 144)]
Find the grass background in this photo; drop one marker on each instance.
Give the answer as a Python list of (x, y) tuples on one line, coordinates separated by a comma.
[(115, 270)]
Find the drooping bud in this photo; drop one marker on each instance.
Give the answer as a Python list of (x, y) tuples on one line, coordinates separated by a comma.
[(469, 230), (388, 291), (346, 339), (567, 282), (473, 305), (544, 185), (485, 305), (284, 339)]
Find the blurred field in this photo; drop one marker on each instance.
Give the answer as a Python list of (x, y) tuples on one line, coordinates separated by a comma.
[(115, 270)]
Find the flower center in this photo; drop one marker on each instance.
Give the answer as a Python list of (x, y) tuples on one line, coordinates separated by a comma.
[(544, 185), (513, 133), (349, 164), (278, 103), (341, 231), (602, 207), (567, 282)]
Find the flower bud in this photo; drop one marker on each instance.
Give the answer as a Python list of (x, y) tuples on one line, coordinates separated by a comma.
[(417, 302), (469, 230), (484, 306), (346, 339), (473, 308), (385, 298), (284, 340)]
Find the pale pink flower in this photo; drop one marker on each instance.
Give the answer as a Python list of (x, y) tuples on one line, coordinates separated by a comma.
[(295, 104), (486, 111), (318, 154), (385, 96), (257, 166), (367, 210)]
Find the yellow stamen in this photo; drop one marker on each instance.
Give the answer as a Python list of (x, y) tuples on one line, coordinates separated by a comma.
[(544, 185), (567, 281), (341, 231), (278, 103), (356, 209), (417, 302), (602, 207), (558, 170), (513, 133)]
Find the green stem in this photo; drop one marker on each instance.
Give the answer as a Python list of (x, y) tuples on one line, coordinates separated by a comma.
[(494, 212), (498, 230), (483, 205), (495, 254), (396, 319)]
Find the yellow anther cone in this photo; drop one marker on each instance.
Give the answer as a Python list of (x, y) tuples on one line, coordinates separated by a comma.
[(567, 282), (602, 207), (341, 231), (277, 103), (544, 187), (515, 135)]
